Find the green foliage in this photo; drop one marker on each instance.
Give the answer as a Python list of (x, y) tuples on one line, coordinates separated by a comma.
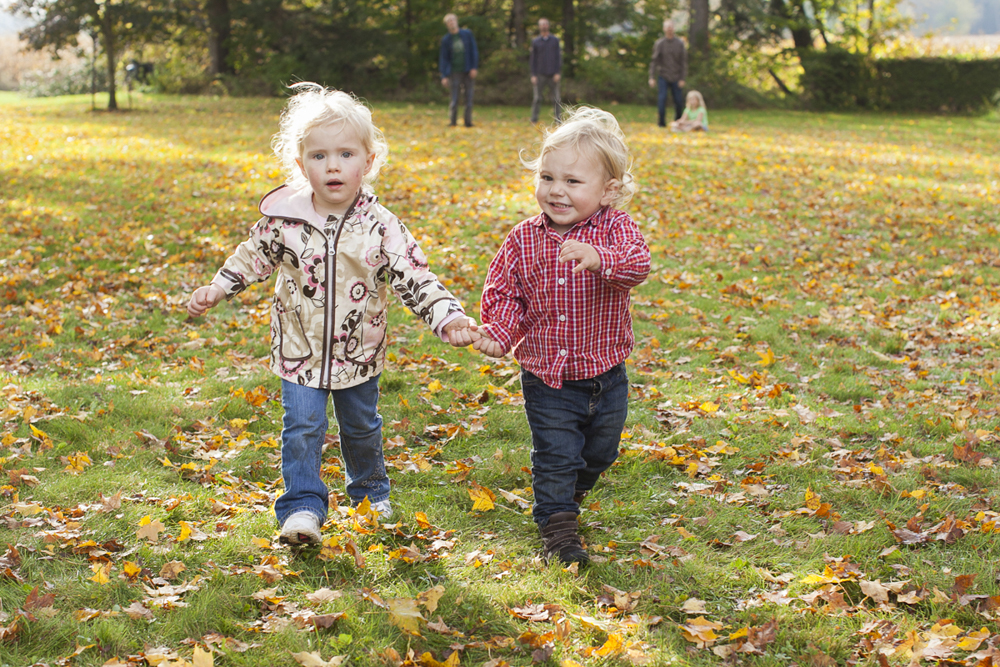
[(836, 79), (938, 84), (840, 79), (71, 79)]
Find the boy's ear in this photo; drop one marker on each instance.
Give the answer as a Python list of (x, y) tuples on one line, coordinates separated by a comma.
[(298, 161), (610, 191), (371, 161)]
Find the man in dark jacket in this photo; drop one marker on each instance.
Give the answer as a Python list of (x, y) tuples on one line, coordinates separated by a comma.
[(546, 69), (459, 65), (668, 69)]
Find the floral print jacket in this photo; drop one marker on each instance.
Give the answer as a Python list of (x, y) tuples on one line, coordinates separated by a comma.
[(328, 315)]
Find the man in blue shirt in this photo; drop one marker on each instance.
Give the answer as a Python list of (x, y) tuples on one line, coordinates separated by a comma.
[(459, 65), (546, 68)]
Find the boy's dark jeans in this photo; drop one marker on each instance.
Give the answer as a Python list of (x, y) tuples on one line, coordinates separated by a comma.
[(575, 433)]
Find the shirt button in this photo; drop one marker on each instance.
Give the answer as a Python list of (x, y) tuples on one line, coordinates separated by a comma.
[(563, 353), (562, 318), (562, 281), (607, 272)]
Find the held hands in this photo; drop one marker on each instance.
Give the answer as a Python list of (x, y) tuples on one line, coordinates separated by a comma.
[(584, 254), (462, 332), (204, 298), (487, 345)]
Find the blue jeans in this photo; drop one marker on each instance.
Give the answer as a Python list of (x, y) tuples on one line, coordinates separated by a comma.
[(661, 99), (456, 81), (575, 433), (545, 81), (304, 430)]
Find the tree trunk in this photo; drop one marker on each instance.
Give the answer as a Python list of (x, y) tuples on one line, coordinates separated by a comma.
[(871, 25), (801, 33), (110, 44), (218, 37), (569, 37), (519, 30), (698, 35)]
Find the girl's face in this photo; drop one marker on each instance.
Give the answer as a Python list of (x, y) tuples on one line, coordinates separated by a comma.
[(572, 186), (335, 163), (693, 102)]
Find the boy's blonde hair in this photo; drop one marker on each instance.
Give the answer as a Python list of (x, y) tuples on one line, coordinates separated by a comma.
[(596, 133), (696, 95), (314, 106)]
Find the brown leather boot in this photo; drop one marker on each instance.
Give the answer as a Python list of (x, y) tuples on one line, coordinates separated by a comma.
[(561, 539)]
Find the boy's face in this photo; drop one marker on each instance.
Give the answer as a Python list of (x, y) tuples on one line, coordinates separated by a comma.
[(572, 186), (335, 163)]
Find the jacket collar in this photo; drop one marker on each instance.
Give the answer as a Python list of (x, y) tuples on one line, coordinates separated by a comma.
[(291, 203)]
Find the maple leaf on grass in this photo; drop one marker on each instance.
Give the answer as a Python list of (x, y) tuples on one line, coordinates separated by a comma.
[(150, 529), (404, 614), (313, 659), (482, 498)]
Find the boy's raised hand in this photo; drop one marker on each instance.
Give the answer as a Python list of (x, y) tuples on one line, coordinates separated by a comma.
[(584, 254), (461, 331), (204, 298)]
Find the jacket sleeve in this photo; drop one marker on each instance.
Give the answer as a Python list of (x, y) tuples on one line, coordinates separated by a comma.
[(503, 303), (684, 62), (411, 279), (475, 51), (653, 60), (558, 56), (625, 259), (444, 57), (254, 260)]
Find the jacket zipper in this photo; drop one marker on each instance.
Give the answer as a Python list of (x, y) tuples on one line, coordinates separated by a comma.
[(325, 378)]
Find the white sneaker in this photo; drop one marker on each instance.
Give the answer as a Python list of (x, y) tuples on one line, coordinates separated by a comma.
[(384, 510), (301, 528)]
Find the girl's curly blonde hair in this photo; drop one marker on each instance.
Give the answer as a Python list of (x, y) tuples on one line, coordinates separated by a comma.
[(312, 106), (596, 133)]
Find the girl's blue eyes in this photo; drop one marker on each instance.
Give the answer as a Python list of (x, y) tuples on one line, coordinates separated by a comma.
[(321, 156)]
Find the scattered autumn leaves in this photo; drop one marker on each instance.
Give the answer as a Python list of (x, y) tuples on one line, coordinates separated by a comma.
[(834, 299)]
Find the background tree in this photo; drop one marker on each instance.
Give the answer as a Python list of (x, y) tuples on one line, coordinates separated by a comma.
[(698, 35), (117, 25)]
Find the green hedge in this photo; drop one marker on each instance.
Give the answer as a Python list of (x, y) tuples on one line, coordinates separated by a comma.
[(839, 79), (938, 84)]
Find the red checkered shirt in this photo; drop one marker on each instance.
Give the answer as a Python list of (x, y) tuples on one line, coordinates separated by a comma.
[(565, 326)]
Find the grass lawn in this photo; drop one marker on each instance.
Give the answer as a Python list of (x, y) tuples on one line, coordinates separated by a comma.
[(809, 472)]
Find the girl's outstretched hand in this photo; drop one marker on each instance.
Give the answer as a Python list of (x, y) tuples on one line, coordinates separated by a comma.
[(204, 298), (462, 331)]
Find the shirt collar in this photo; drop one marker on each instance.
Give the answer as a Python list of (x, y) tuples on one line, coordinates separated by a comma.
[(598, 218)]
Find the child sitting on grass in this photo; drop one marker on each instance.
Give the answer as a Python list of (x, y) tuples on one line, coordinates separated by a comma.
[(335, 248), (695, 116), (557, 293)]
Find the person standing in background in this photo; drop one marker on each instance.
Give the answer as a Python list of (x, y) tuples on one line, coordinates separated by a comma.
[(546, 69), (459, 65), (668, 69)]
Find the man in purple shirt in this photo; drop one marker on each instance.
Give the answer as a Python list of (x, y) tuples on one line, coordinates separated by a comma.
[(546, 68)]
